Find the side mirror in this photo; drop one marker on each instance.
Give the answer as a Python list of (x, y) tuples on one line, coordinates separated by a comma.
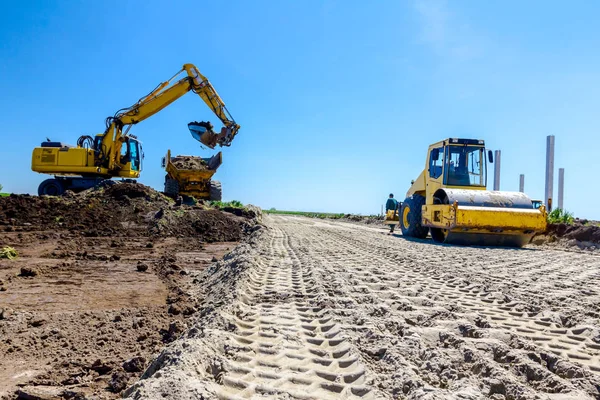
[(163, 162), (490, 156), (435, 154)]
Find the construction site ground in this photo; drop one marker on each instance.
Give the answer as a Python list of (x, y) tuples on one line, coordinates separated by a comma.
[(100, 286), (301, 308), (324, 309)]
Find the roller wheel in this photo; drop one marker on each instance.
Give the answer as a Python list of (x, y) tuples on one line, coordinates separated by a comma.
[(216, 193), (439, 235), (410, 217), (51, 187), (171, 187)]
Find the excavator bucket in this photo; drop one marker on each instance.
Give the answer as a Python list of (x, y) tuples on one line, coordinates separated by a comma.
[(483, 218), (203, 132)]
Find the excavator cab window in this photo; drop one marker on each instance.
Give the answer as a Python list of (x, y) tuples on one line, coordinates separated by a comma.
[(465, 166), (134, 154)]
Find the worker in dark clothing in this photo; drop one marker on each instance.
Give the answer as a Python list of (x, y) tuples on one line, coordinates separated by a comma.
[(391, 204)]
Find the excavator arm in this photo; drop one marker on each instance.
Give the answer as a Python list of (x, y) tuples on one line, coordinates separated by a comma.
[(165, 94)]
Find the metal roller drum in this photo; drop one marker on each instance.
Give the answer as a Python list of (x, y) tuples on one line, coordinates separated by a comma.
[(487, 218)]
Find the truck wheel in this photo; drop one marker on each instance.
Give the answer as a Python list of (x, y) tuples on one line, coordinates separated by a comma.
[(410, 217), (171, 187), (216, 193), (51, 187)]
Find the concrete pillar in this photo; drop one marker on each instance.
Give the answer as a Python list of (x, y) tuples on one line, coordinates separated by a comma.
[(561, 187), (497, 170), (522, 183), (549, 171)]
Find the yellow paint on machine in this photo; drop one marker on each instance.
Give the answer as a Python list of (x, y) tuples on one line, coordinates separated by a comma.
[(490, 219)]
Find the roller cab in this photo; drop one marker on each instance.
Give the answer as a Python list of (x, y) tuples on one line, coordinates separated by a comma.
[(449, 200)]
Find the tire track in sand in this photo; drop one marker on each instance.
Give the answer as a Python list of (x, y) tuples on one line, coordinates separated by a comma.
[(570, 343), (287, 345), (473, 293)]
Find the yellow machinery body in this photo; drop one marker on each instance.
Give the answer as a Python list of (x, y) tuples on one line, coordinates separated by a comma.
[(63, 159), (391, 217), (195, 183), (116, 153), (449, 200)]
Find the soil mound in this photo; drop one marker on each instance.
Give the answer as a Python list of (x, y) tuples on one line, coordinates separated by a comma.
[(118, 209), (581, 235), (211, 225)]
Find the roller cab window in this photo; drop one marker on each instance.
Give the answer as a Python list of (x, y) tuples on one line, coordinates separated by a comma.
[(436, 159), (464, 166)]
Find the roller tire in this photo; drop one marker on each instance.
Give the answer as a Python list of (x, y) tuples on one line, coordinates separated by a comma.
[(216, 192), (51, 187), (413, 217), (171, 187)]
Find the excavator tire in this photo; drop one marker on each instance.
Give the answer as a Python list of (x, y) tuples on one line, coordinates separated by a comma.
[(410, 217), (51, 187), (216, 193), (171, 187)]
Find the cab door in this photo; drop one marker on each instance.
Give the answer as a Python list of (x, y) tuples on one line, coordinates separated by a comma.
[(435, 172), (134, 155)]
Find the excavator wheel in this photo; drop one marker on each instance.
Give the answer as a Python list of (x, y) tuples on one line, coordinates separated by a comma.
[(171, 187), (410, 217), (216, 193), (51, 187)]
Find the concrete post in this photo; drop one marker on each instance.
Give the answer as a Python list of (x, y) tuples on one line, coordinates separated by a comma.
[(561, 187), (549, 171), (497, 170), (522, 183)]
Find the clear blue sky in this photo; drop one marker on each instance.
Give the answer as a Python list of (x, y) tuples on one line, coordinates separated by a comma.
[(338, 100)]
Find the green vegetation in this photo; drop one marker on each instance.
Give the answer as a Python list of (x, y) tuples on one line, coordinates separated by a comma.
[(8, 252), (560, 216), (3, 194), (306, 214), (222, 204)]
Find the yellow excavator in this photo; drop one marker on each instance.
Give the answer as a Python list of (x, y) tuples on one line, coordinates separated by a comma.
[(116, 153), (449, 200)]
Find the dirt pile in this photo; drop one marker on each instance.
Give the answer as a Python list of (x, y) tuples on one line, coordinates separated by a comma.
[(581, 235), (120, 209), (189, 163)]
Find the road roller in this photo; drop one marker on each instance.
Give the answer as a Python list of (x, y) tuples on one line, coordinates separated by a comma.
[(450, 201)]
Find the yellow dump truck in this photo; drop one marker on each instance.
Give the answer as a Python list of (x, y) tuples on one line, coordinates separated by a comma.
[(449, 200), (191, 176)]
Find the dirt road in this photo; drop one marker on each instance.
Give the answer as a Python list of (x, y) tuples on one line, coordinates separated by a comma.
[(320, 309)]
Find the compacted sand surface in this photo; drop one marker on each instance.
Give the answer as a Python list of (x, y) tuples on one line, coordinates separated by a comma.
[(314, 309)]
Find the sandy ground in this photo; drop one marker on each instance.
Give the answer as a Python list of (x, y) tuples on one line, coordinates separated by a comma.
[(314, 309)]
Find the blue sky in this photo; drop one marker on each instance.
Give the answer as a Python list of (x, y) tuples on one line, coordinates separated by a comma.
[(338, 100)]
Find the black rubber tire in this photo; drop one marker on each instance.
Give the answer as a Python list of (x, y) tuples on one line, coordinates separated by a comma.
[(414, 228), (171, 187), (216, 192), (51, 187)]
